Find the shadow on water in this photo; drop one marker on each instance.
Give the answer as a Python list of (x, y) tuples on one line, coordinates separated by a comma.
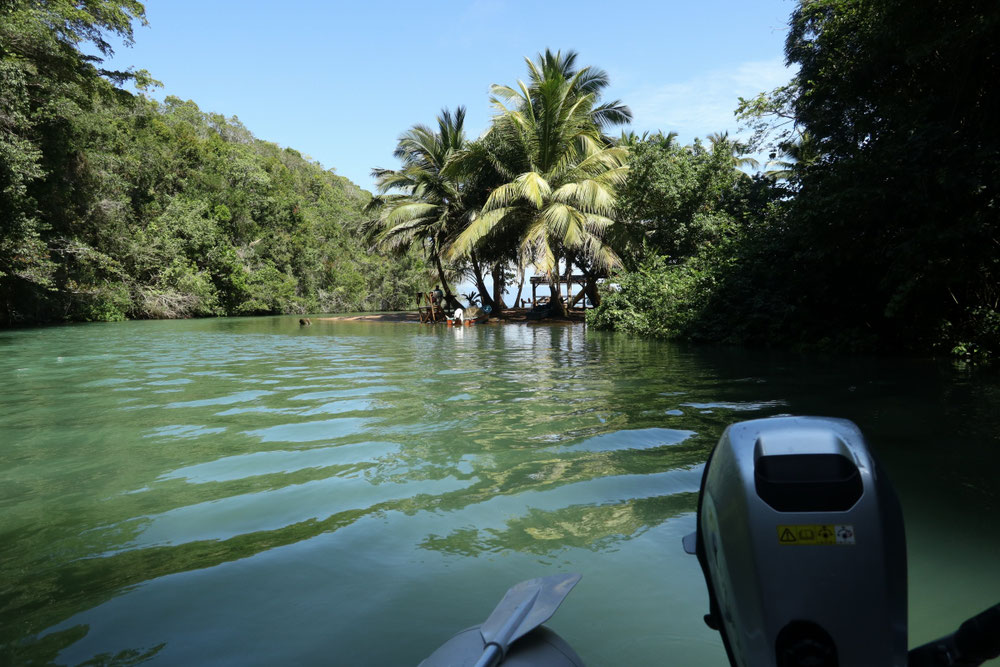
[(212, 489)]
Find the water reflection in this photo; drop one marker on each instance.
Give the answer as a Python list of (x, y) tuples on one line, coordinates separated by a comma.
[(404, 458), (593, 527)]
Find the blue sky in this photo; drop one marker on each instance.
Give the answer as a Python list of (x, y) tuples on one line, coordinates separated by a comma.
[(341, 81)]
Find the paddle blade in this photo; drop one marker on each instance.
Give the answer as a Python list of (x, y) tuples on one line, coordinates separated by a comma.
[(526, 606)]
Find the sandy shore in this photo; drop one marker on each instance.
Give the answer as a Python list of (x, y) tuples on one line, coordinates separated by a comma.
[(511, 316)]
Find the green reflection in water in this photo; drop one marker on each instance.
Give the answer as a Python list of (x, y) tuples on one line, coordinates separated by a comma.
[(211, 490), (582, 526)]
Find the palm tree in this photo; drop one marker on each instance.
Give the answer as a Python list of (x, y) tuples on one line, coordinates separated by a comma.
[(732, 151), (796, 154), (630, 139), (589, 80), (559, 172), (481, 168), (426, 207)]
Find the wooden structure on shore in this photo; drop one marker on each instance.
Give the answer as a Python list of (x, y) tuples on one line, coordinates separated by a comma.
[(429, 309), (559, 281)]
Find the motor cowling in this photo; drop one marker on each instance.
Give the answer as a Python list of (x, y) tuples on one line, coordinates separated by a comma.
[(800, 537)]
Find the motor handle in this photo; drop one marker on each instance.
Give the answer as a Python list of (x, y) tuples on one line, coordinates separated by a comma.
[(976, 641)]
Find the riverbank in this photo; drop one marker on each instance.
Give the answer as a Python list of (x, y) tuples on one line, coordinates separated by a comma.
[(509, 316)]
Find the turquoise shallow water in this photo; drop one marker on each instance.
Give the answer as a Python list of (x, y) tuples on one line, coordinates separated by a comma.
[(246, 491)]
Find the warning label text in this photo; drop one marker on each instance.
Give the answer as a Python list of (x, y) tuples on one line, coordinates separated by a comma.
[(813, 535)]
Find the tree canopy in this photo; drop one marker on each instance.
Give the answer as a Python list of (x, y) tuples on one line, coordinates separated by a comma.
[(880, 228), (874, 225), (115, 206), (422, 204), (558, 172)]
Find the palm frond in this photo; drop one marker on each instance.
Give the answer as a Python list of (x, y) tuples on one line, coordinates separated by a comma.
[(477, 229), (534, 188), (407, 211), (587, 195), (613, 177), (565, 223), (601, 254), (535, 246)]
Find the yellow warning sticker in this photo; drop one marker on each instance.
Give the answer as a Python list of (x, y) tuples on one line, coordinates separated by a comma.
[(814, 535)]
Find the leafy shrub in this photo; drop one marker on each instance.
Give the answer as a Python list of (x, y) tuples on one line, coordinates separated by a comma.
[(978, 337), (658, 299), (107, 302)]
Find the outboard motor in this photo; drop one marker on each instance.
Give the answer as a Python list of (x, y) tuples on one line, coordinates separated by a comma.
[(800, 537)]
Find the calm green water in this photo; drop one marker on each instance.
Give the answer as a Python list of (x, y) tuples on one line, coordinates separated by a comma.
[(244, 491)]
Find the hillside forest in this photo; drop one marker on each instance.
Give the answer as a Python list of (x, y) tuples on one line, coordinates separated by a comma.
[(115, 206)]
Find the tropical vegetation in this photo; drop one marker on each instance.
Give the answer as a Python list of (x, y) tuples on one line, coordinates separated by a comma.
[(879, 228), (114, 206), (559, 172), (872, 225), (539, 185)]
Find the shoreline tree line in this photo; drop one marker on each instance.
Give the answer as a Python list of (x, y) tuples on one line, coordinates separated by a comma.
[(881, 228), (872, 227)]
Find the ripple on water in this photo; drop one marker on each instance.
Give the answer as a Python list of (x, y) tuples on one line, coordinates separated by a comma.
[(281, 461), (344, 393), (354, 374), (311, 431), (257, 409), (644, 438), (239, 397), (108, 382), (183, 431), (337, 407), (741, 406), (273, 509), (496, 512)]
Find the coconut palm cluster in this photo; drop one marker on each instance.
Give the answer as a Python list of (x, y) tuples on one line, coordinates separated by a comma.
[(539, 188)]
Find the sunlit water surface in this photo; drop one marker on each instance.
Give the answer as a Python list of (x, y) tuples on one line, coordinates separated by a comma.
[(246, 491)]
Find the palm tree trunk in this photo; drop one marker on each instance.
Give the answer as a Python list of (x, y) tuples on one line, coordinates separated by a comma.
[(556, 299), (569, 275), (477, 272), (555, 294), (520, 286), (498, 287), (592, 292), (590, 286), (449, 298)]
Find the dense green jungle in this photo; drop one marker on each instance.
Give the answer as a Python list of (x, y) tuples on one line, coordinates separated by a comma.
[(115, 206), (871, 225)]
